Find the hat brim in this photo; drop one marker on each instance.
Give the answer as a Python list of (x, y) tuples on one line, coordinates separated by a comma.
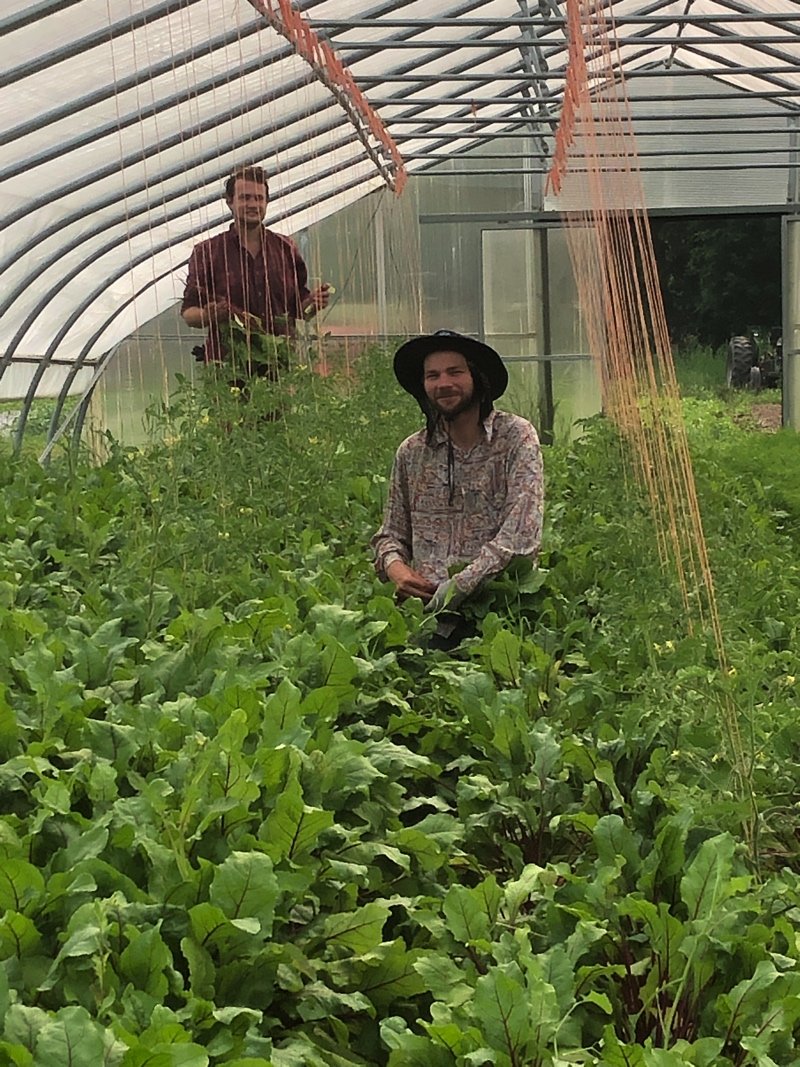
[(410, 357)]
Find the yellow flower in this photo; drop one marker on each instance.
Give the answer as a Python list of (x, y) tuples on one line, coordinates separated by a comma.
[(313, 440)]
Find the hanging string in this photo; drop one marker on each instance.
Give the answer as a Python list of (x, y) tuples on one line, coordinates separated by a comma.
[(595, 179)]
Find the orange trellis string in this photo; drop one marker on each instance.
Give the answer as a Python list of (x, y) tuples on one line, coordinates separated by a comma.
[(331, 71), (596, 180)]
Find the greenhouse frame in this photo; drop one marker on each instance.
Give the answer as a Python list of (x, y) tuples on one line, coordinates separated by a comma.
[(121, 119)]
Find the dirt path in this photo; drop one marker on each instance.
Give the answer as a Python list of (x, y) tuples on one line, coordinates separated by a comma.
[(761, 417)]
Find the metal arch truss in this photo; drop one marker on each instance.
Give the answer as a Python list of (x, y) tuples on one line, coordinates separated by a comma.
[(535, 65), (335, 76)]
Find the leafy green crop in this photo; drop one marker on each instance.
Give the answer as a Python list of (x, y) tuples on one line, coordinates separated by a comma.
[(251, 350), (249, 819)]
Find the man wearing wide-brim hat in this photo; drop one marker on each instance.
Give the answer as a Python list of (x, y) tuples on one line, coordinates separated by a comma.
[(466, 491)]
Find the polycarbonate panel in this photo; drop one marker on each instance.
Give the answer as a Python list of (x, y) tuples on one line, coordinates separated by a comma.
[(144, 371), (450, 280), (737, 157), (16, 382), (575, 394), (512, 297), (525, 391), (370, 253), (564, 323), (554, 392), (455, 190)]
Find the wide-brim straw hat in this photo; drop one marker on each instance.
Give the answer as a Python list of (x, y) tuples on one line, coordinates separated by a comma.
[(410, 358)]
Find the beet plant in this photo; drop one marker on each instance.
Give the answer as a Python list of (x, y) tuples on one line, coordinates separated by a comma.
[(249, 818)]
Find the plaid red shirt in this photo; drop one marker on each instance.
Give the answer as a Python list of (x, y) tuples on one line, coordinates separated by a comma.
[(272, 285)]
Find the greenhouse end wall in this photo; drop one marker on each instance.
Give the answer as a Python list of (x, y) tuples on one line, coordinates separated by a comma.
[(395, 275)]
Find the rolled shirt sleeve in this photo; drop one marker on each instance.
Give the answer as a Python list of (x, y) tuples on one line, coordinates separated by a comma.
[(393, 541), (196, 291)]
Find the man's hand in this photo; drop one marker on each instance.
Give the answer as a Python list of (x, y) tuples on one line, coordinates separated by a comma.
[(217, 312), (318, 299), (447, 595), (221, 312), (408, 582), (201, 318), (252, 323)]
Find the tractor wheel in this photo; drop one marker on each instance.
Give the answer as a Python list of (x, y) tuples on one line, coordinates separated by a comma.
[(755, 377), (741, 359)]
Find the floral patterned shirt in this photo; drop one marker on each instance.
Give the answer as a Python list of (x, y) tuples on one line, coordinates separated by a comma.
[(487, 512)]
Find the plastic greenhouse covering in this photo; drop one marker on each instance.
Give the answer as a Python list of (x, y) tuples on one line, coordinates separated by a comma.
[(120, 119)]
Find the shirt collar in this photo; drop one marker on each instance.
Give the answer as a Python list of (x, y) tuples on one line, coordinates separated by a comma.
[(233, 234)]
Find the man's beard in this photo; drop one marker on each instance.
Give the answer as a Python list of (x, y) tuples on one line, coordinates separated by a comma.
[(463, 405)]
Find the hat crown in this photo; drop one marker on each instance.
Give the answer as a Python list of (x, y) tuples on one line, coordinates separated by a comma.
[(410, 358)]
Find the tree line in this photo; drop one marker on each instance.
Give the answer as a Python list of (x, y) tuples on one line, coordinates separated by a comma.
[(719, 276)]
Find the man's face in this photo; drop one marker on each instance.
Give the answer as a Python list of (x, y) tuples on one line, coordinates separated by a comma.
[(448, 383), (249, 202)]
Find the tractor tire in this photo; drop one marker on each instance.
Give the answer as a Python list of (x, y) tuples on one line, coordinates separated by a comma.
[(755, 378), (741, 360)]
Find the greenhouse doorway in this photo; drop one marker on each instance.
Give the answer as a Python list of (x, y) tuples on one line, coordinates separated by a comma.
[(530, 314)]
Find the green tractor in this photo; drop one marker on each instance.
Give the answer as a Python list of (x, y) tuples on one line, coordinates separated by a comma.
[(755, 359)]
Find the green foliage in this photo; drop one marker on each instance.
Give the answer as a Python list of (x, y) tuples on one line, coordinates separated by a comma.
[(718, 276), (251, 351), (248, 819)]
